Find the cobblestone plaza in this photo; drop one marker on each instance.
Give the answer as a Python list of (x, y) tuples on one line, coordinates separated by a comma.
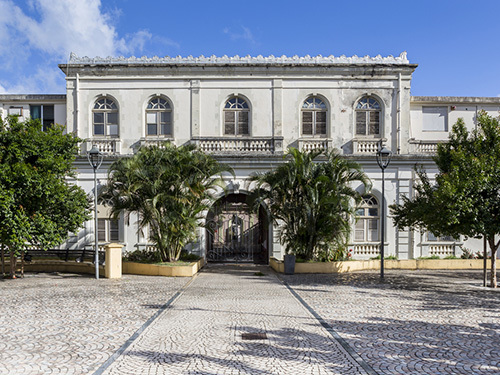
[(230, 320)]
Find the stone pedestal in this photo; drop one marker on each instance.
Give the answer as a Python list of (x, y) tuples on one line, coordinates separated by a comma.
[(113, 263)]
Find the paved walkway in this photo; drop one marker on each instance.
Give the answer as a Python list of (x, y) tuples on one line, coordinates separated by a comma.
[(205, 331), (229, 320)]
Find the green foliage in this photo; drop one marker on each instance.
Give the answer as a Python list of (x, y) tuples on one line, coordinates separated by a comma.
[(430, 257), (310, 197), (169, 188), (153, 256), (467, 253), (386, 257), (450, 256), (37, 204), (142, 256), (465, 198)]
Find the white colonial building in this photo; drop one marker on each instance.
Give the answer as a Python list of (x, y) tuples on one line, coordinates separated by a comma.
[(247, 111)]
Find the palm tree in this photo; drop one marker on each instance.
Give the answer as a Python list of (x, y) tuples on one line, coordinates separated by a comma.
[(312, 201), (169, 188)]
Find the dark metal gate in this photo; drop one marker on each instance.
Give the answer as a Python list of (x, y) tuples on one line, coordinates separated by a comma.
[(234, 234)]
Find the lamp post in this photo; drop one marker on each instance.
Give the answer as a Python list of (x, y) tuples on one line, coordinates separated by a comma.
[(95, 159), (384, 156)]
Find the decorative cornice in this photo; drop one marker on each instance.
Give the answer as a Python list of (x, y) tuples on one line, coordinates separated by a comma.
[(240, 60)]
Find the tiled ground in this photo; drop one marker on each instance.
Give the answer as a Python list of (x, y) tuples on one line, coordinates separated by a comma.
[(71, 324), (416, 322), (412, 323)]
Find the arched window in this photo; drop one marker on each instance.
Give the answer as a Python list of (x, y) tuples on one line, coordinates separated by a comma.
[(158, 117), (367, 220), (105, 118), (314, 117), (368, 116), (236, 114)]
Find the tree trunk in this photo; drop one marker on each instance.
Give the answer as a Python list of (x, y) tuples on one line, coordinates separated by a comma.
[(493, 247), (13, 260), (494, 268), (3, 261), (22, 264)]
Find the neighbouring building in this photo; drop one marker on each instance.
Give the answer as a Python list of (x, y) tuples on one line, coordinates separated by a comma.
[(247, 111)]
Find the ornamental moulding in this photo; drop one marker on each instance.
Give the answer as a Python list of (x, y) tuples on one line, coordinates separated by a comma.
[(240, 60)]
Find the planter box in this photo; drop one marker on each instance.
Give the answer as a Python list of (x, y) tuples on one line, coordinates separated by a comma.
[(364, 265), (162, 270)]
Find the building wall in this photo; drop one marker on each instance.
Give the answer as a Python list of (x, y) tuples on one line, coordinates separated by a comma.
[(275, 90)]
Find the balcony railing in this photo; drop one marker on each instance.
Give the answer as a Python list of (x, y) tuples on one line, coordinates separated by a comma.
[(365, 250), (106, 146), (424, 147), (367, 146), (155, 142), (324, 144), (237, 145), (442, 250)]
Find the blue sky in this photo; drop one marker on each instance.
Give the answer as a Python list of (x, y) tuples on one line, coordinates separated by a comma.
[(456, 43)]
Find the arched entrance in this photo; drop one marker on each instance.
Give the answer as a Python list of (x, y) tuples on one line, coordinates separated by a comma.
[(235, 234)]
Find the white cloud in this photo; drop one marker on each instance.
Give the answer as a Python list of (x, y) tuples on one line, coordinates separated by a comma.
[(134, 43), (246, 34), (69, 25), (46, 79), (51, 29)]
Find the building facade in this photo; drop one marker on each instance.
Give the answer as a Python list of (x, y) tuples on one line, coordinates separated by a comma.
[(247, 111)]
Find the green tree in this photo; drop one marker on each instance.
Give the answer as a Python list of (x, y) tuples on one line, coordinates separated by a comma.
[(312, 200), (169, 188), (38, 206), (465, 198)]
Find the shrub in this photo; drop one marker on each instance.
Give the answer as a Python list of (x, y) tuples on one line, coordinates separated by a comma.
[(386, 257)]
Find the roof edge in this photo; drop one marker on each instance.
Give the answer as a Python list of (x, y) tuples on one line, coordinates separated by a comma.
[(238, 60), (455, 99)]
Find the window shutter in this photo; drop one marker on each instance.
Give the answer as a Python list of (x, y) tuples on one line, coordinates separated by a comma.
[(359, 233), (321, 123), (101, 230), (229, 123), (243, 123), (307, 124), (360, 123), (375, 122), (373, 229), (113, 230)]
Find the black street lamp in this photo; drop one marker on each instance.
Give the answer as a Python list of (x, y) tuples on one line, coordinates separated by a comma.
[(384, 157), (95, 159)]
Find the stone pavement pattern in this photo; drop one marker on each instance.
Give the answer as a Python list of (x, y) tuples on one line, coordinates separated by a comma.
[(416, 322), (202, 332), (71, 324)]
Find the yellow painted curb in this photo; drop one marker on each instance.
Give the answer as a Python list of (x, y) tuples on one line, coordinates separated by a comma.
[(364, 265), (161, 270)]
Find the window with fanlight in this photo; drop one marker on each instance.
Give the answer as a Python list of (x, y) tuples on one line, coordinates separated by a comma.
[(368, 113), (367, 220), (314, 115), (158, 117), (105, 118), (236, 117)]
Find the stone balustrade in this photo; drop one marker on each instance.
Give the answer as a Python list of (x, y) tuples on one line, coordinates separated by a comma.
[(365, 250), (324, 144), (228, 145), (424, 146), (367, 146), (106, 146)]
